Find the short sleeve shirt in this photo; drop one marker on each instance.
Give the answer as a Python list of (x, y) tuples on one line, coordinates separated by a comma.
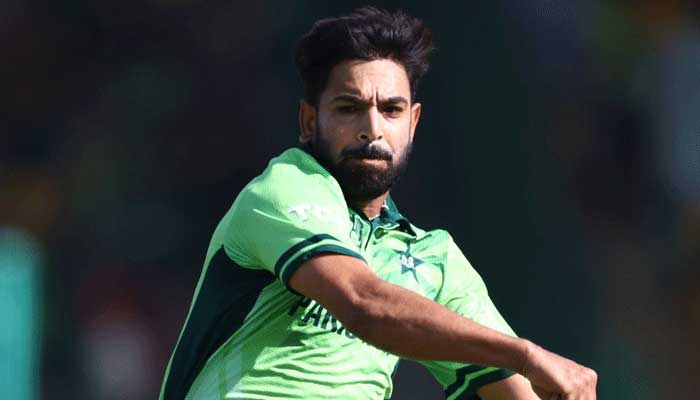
[(249, 336)]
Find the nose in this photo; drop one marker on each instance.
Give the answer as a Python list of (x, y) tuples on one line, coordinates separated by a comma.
[(371, 129)]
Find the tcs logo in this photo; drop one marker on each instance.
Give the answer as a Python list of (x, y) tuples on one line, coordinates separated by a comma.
[(305, 211)]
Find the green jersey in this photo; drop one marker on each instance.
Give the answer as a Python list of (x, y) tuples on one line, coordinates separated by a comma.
[(249, 336)]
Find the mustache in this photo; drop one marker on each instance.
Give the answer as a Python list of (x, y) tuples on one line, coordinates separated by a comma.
[(368, 152)]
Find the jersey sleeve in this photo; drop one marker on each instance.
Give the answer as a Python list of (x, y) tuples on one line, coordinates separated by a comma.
[(286, 216), (464, 292)]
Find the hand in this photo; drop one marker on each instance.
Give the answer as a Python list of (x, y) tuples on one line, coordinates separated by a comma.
[(557, 378)]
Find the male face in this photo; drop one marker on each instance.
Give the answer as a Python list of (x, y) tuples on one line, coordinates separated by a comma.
[(363, 127)]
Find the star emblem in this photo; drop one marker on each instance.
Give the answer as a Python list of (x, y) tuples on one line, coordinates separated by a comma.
[(409, 262)]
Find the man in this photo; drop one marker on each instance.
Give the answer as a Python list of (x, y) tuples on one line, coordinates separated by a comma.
[(314, 284)]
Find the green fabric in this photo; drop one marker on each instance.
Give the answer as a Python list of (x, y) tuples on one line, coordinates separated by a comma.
[(225, 295), (289, 346)]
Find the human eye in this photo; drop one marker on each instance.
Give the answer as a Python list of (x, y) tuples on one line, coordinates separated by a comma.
[(393, 110), (347, 109)]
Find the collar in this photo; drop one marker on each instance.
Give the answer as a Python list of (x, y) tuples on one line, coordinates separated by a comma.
[(389, 217), (391, 213)]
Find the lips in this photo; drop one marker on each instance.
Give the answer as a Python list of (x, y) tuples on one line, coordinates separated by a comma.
[(373, 156), (368, 158)]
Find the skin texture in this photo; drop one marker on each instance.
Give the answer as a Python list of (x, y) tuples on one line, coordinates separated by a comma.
[(368, 104)]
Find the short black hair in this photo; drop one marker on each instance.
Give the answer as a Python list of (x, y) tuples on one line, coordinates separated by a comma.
[(368, 33)]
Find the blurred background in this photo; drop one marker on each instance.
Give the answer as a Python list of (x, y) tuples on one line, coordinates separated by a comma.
[(559, 144)]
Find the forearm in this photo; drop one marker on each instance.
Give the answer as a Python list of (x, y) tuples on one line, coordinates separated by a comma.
[(404, 323)]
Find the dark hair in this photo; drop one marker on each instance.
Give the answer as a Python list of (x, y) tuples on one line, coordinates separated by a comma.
[(368, 33)]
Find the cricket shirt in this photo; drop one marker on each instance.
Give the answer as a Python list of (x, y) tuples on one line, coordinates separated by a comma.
[(248, 335)]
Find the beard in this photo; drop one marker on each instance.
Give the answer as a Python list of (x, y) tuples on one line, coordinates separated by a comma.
[(359, 181)]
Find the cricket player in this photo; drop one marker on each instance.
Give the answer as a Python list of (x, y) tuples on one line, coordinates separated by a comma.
[(314, 284)]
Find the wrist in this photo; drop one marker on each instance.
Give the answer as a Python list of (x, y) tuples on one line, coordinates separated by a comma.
[(526, 350)]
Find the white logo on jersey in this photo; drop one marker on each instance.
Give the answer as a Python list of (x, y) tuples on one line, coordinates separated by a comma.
[(300, 210), (303, 211)]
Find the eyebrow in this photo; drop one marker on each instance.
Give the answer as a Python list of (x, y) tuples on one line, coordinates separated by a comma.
[(357, 99)]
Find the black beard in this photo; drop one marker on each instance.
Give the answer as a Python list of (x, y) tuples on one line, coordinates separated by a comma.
[(362, 182)]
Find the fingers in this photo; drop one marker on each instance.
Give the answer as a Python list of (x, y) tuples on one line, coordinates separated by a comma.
[(592, 382), (556, 378), (584, 387)]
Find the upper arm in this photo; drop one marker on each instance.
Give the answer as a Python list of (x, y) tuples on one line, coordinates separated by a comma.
[(338, 282), (285, 217), (289, 217)]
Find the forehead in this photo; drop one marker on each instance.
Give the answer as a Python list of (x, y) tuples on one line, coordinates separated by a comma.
[(368, 79)]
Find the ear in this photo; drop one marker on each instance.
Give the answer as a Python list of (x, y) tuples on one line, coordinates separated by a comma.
[(415, 116), (307, 122)]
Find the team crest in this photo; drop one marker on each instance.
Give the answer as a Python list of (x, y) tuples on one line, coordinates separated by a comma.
[(409, 263)]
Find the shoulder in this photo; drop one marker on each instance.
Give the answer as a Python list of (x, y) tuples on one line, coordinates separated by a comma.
[(437, 234), (293, 170), (294, 178), (434, 242), (292, 201), (441, 241), (440, 248), (293, 189)]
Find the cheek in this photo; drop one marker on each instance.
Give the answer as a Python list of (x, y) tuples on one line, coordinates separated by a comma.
[(331, 138), (339, 135), (400, 136)]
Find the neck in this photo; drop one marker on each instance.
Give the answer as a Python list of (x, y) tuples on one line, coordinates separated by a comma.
[(371, 208)]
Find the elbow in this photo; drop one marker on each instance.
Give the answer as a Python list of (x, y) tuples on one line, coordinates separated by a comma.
[(365, 312), (358, 320)]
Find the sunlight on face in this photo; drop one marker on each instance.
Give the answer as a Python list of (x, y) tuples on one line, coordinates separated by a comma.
[(366, 103), (365, 125)]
